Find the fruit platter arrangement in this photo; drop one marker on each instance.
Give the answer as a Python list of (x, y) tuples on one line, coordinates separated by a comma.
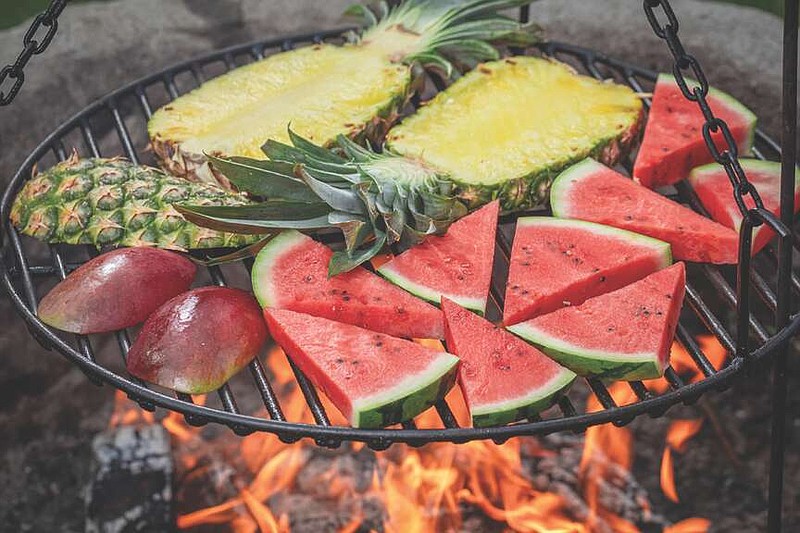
[(440, 174)]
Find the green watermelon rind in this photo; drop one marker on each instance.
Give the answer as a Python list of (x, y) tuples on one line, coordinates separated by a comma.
[(408, 398), (664, 249), (261, 273), (746, 146), (588, 362), (432, 295), (523, 407)]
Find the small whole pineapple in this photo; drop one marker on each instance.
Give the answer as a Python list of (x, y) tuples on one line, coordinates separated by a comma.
[(115, 202)]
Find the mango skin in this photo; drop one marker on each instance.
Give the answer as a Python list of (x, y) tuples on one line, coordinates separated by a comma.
[(196, 341), (116, 290)]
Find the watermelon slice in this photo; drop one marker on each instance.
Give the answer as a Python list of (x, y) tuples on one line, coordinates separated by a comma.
[(291, 272), (673, 137), (591, 191), (715, 191), (457, 265), (625, 334), (503, 379), (375, 380), (556, 262)]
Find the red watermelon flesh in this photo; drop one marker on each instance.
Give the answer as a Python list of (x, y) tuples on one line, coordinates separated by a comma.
[(625, 334), (591, 191), (673, 137), (503, 379), (713, 187), (375, 380), (557, 262), (291, 272), (457, 265)]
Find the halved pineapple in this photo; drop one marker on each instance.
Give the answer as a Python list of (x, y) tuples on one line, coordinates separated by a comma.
[(507, 128), (326, 90)]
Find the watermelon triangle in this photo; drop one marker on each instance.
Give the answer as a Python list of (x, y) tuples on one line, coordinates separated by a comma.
[(713, 187), (375, 380), (556, 262), (457, 265), (625, 334), (291, 272), (502, 378), (673, 137), (592, 191)]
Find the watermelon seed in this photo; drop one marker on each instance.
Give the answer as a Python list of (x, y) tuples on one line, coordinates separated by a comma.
[(526, 263), (628, 217), (669, 296), (610, 328), (339, 361), (602, 279), (346, 298), (524, 292), (400, 310)]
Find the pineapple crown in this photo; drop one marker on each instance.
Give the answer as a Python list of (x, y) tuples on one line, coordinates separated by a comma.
[(448, 30), (374, 199)]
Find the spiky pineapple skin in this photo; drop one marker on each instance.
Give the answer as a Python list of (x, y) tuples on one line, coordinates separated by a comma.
[(112, 202), (532, 191), (521, 188), (195, 166)]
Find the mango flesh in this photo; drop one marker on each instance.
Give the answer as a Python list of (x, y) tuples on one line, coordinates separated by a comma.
[(196, 341), (116, 290)]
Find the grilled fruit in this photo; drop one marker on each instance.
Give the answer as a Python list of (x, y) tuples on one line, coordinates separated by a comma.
[(507, 128), (326, 90), (504, 130), (116, 290), (114, 202), (195, 342)]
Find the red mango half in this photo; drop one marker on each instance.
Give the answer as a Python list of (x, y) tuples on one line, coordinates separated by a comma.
[(116, 290), (195, 342)]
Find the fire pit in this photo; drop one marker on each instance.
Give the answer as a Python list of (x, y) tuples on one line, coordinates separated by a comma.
[(719, 318)]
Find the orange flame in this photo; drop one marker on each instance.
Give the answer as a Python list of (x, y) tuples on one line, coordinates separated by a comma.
[(424, 489), (678, 434)]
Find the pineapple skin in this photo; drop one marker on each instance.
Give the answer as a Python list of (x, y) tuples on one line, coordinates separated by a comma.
[(195, 166), (469, 95), (532, 191), (112, 202)]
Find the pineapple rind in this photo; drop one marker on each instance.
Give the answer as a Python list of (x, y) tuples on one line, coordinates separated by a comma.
[(114, 202), (384, 85), (470, 130), (532, 191)]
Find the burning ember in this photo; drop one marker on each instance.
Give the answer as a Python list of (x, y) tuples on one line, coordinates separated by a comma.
[(439, 487)]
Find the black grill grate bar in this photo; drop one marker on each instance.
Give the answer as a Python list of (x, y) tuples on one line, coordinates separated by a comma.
[(265, 390), (310, 394), (763, 290), (123, 133), (640, 390), (693, 349), (88, 138), (169, 83), (729, 295), (770, 253), (59, 151), (124, 343), (229, 61), (446, 414), (633, 81), (197, 73), (257, 52), (22, 261), (61, 272), (228, 401), (709, 318), (409, 424), (601, 392), (674, 380), (144, 102), (567, 408)]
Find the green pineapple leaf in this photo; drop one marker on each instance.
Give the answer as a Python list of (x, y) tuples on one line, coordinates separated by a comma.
[(259, 218), (270, 180), (344, 261), (237, 255)]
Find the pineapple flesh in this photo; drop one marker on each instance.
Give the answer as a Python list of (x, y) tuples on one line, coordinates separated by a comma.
[(326, 90), (507, 128), (114, 202)]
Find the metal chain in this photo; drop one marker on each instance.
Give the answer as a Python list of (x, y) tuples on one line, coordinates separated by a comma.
[(36, 39), (696, 90)]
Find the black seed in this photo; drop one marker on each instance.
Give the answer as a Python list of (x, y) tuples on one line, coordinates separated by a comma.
[(346, 298), (379, 344), (628, 217), (525, 292), (339, 360), (602, 278)]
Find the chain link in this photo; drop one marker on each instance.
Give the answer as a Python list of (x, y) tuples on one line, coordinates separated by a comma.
[(37, 38), (695, 89)]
